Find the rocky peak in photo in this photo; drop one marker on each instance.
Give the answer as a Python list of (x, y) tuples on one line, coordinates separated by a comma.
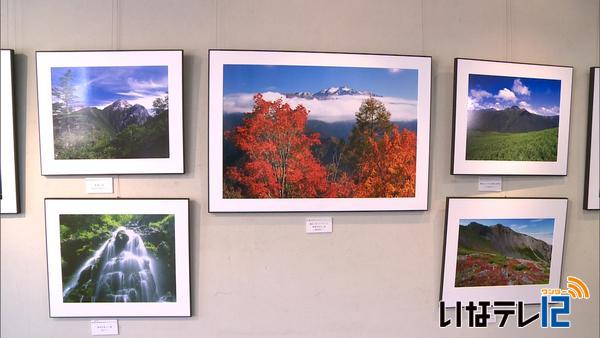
[(339, 91), (504, 240), (330, 92), (121, 114), (120, 104)]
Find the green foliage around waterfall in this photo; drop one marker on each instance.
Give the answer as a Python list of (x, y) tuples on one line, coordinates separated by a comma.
[(528, 146), (82, 235)]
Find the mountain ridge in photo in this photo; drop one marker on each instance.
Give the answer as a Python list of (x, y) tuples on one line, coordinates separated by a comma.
[(119, 130), (510, 120), (330, 92), (500, 239)]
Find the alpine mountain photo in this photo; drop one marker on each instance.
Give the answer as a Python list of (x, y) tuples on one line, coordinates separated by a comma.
[(316, 131), (512, 119), (494, 252), (110, 112)]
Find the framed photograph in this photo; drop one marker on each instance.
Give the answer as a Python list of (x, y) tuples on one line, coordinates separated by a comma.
[(510, 118), (308, 131), (118, 257), (110, 112), (591, 198), (9, 182), (502, 248)]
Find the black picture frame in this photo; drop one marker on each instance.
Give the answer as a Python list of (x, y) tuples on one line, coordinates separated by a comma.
[(524, 211), (487, 159), (56, 161), (218, 203), (175, 211)]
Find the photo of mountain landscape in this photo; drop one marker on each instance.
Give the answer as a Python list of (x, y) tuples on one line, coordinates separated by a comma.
[(319, 131), (512, 118), (500, 252), (119, 112)]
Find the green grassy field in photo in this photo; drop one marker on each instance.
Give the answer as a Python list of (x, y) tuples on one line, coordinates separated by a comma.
[(528, 146)]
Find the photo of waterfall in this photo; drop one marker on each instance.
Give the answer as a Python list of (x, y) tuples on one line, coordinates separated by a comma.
[(118, 258)]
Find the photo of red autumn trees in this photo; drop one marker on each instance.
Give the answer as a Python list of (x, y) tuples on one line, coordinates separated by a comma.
[(289, 145)]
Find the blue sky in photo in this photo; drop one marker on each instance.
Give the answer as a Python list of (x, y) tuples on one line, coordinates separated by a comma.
[(289, 79), (540, 228), (395, 88), (538, 96), (100, 86)]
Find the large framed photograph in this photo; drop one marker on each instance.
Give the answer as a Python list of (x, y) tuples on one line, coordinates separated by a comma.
[(118, 257), (110, 112), (308, 131), (591, 198), (9, 183), (502, 248), (510, 118)]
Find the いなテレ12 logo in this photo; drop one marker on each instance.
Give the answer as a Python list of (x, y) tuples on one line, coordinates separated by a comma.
[(555, 306), (550, 313)]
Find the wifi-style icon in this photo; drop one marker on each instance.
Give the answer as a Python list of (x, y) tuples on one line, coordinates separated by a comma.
[(577, 288)]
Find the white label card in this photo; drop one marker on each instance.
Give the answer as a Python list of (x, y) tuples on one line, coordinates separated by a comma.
[(109, 327), (490, 183), (316, 225), (99, 185)]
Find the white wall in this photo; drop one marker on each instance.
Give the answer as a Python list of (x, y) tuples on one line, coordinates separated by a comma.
[(259, 275)]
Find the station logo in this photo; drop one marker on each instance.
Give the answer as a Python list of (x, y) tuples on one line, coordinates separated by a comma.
[(555, 307)]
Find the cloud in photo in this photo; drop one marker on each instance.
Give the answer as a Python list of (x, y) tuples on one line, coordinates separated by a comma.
[(480, 94), (507, 95), (334, 109), (538, 96), (397, 88), (519, 88), (543, 236), (518, 227), (101, 86)]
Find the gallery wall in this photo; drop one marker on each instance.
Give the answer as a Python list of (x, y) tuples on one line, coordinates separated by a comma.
[(260, 275)]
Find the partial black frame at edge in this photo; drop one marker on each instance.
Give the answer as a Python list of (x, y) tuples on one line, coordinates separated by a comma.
[(122, 199), (588, 159), (15, 134)]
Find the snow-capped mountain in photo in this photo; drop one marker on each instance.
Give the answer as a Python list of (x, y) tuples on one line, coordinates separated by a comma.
[(332, 104), (330, 92)]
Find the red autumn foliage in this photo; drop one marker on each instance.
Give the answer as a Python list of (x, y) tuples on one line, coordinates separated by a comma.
[(279, 161), (342, 187), (388, 168), (483, 269)]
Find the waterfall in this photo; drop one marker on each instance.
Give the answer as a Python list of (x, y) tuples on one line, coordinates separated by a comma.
[(120, 271)]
